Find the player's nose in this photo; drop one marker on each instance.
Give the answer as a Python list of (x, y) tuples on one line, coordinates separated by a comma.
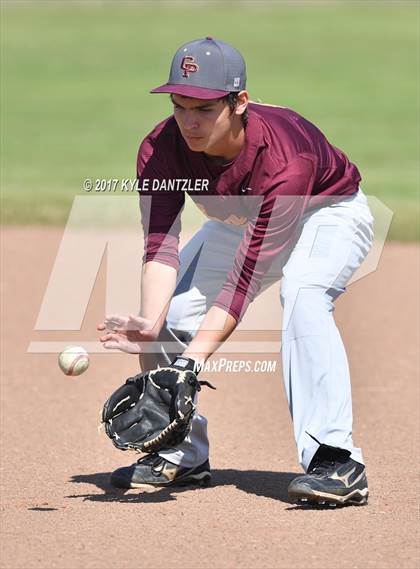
[(190, 121)]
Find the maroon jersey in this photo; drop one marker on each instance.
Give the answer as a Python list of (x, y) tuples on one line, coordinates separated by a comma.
[(284, 162)]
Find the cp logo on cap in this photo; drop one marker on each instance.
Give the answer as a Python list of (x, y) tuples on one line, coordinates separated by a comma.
[(189, 65)]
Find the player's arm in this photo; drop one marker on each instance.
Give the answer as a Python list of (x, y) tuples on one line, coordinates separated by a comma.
[(159, 273), (158, 283), (160, 216)]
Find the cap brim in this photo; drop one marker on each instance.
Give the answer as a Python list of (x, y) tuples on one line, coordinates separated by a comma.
[(190, 91)]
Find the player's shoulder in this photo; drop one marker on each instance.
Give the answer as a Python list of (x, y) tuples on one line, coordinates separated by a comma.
[(288, 135)]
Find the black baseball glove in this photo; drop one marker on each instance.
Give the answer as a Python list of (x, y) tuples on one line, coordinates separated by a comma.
[(153, 410)]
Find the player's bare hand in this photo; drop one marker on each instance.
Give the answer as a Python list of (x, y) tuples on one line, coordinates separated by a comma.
[(126, 333)]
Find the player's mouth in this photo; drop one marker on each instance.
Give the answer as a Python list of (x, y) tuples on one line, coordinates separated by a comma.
[(193, 138)]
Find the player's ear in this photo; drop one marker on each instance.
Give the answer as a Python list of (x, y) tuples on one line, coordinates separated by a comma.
[(242, 102)]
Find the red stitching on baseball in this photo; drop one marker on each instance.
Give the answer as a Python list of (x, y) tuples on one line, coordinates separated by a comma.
[(73, 365)]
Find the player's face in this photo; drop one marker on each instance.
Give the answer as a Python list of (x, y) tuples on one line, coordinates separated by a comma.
[(206, 125)]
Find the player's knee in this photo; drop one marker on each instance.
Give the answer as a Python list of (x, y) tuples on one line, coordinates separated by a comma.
[(304, 312), (299, 297), (289, 292)]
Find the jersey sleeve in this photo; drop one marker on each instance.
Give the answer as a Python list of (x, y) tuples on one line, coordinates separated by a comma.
[(274, 230), (160, 210)]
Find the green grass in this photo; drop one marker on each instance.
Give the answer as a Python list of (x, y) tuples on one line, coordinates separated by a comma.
[(75, 81)]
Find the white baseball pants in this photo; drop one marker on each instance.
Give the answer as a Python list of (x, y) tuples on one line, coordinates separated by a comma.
[(333, 242)]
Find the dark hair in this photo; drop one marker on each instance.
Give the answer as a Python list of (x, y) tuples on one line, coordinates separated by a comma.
[(232, 101)]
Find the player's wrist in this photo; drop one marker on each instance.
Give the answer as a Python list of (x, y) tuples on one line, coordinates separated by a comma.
[(186, 363)]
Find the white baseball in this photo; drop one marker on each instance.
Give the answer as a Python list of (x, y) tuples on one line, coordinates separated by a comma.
[(74, 360)]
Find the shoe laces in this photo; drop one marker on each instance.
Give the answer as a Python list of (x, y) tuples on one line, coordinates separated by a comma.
[(152, 459), (323, 467)]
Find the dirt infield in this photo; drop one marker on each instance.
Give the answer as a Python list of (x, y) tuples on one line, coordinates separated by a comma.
[(58, 510)]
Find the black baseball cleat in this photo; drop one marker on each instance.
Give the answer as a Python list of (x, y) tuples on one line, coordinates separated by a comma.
[(153, 470), (333, 479)]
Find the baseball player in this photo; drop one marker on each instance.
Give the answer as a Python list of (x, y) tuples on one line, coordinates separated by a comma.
[(282, 203)]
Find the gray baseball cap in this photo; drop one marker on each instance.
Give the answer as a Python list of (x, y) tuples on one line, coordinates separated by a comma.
[(205, 69)]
